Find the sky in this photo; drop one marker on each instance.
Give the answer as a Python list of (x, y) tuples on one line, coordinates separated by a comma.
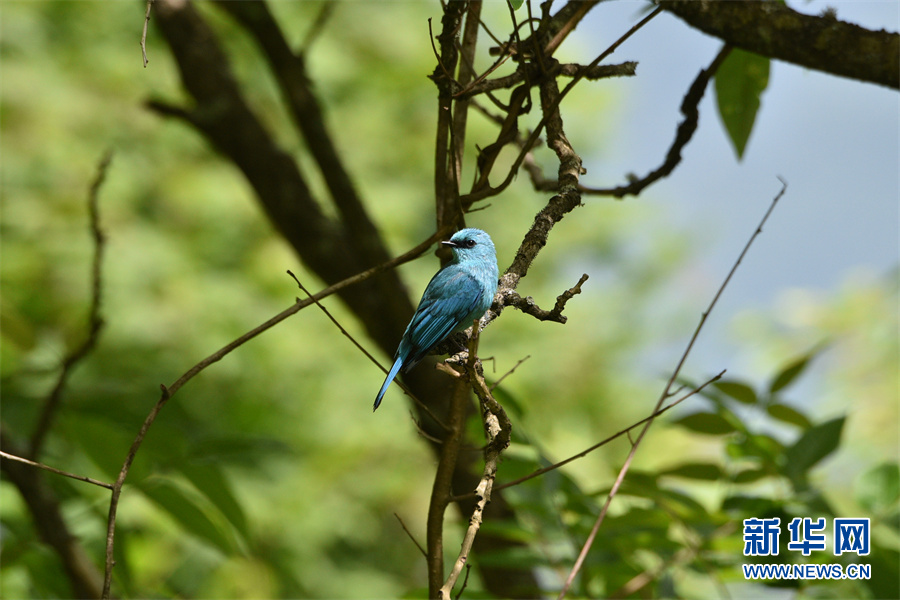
[(835, 141)]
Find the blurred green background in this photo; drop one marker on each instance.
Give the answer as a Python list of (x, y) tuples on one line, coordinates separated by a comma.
[(267, 475)]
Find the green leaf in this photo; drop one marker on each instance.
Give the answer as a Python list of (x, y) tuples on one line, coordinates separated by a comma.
[(750, 475), (787, 414), (788, 374), (757, 506), (814, 445), (516, 4), (740, 81), (212, 483), (705, 471), (885, 573), (183, 509), (737, 390), (878, 488), (709, 423)]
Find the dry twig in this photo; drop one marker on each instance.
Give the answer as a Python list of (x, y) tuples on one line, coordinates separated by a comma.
[(665, 394)]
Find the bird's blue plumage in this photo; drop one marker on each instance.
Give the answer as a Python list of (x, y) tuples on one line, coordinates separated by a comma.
[(458, 294)]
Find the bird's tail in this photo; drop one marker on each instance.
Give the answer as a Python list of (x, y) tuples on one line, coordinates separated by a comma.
[(387, 381)]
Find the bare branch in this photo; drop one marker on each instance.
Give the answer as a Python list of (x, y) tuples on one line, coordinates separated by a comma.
[(626, 69), (498, 430), (168, 392), (442, 489), (775, 30), (95, 322), (360, 347), (488, 191), (686, 129), (52, 528), (665, 394), (446, 184), (510, 372), (332, 249), (144, 34), (38, 465), (614, 436), (409, 533), (317, 27), (528, 306)]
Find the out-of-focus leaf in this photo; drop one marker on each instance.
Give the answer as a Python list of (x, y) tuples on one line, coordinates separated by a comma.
[(516, 4), (105, 444), (751, 506), (788, 414), (184, 510), (212, 483), (789, 373), (761, 445), (705, 471), (750, 475), (703, 422), (509, 530), (740, 81), (814, 445), (685, 506), (737, 390), (514, 557), (243, 450), (885, 581), (878, 489)]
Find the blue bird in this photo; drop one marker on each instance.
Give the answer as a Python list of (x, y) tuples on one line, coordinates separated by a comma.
[(459, 293)]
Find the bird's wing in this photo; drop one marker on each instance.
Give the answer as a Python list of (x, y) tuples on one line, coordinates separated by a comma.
[(449, 299)]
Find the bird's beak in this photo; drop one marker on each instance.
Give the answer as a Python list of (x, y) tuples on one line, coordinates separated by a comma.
[(449, 243)]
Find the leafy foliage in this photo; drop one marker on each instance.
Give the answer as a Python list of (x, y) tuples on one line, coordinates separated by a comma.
[(680, 527)]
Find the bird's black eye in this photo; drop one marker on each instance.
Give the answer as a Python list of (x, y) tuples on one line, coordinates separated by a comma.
[(470, 243)]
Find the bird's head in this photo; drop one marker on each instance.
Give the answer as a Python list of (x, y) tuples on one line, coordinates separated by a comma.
[(469, 244)]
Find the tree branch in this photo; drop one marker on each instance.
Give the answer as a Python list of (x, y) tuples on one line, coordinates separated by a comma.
[(95, 321), (498, 430), (666, 393), (52, 528), (442, 489), (446, 185), (290, 70), (528, 306), (685, 132), (821, 43), (331, 249), (168, 392)]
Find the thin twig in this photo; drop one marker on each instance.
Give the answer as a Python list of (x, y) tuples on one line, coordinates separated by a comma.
[(685, 132), (117, 488), (144, 34), (32, 463), (95, 322), (318, 26), (464, 583), (487, 191), (409, 533), (528, 306), (438, 56), (508, 373), (599, 444), (168, 392), (498, 429), (366, 352), (621, 476), (441, 490), (641, 580)]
